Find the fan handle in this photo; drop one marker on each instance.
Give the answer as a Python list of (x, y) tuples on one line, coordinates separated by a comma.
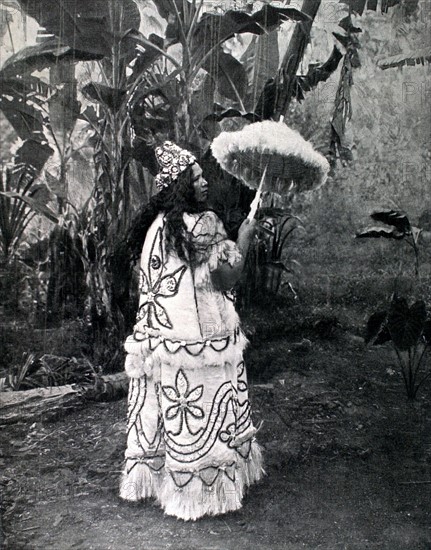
[(255, 203)]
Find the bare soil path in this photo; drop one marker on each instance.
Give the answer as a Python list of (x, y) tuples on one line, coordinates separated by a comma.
[(348, 462)]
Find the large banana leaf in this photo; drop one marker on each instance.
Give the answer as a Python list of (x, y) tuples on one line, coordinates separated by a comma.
[(44, 54), (260, 61), (229, 75), (302, 83), (214, 29), (87, 26), (21, 99), (28, 86)]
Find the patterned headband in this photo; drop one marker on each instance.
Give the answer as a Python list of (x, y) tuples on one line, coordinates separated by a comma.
[(172, 160)]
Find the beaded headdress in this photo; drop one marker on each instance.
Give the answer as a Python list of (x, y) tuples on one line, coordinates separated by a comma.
[(172, 160)]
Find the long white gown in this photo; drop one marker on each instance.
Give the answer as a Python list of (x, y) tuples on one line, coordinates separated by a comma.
[(190, 437)]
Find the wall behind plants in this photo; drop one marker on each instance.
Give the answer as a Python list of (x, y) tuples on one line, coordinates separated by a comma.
[(389, 131)]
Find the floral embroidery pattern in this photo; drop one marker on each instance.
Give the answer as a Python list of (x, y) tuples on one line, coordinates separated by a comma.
[(228, 435), (157, 285), (183, 399)]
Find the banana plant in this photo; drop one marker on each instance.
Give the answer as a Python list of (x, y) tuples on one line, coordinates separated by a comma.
[(399, 229), (85, 31), (176, 92), (21, 198), (408, 329)]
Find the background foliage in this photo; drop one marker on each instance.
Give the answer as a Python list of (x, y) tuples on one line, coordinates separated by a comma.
[(148, 78)]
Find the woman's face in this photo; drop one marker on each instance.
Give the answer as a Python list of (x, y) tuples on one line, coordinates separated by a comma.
[(200, 184)]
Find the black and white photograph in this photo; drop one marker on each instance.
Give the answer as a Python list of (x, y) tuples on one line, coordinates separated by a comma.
[(215, 275)]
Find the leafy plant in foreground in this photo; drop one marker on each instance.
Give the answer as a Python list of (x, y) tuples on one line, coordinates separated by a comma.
[(408, 328), (281, 224), (48, 371), (265, 262), (400, 229)]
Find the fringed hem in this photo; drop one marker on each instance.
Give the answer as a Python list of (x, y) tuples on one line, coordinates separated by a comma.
[(197, 498), (251, 469), (139, 481), (225, 494)]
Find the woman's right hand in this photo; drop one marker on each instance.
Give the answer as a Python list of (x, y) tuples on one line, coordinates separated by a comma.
[(247, 231)]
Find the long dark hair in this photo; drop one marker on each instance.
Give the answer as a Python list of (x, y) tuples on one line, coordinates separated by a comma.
[(174, 201)]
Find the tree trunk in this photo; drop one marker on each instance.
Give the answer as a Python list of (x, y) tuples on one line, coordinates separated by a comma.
[(293, 57), (49, 404)]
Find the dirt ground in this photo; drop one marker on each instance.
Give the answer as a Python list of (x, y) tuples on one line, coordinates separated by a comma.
[(348, 464)]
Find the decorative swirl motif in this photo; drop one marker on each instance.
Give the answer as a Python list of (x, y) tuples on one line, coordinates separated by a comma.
[(202, 444)]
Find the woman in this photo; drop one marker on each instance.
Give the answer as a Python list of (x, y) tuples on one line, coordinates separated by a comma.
[(190, 438)]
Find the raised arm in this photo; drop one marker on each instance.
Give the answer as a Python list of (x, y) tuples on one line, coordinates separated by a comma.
[(226, 275)]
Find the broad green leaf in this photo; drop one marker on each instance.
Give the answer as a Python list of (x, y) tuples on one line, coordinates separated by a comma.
[(25, 86), (376, 232), (42, 55), (110, 97), (426, 333), (260, 61), (214, 29), (303, 84), (34, 204), (406, 323), (393, 217), (146, 55), (377, 331), (33, 153), (219, 114), (347, 25), (21, 99), (316, 73), (418, 57), (88, 26), (229, 75), (26, 119)]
